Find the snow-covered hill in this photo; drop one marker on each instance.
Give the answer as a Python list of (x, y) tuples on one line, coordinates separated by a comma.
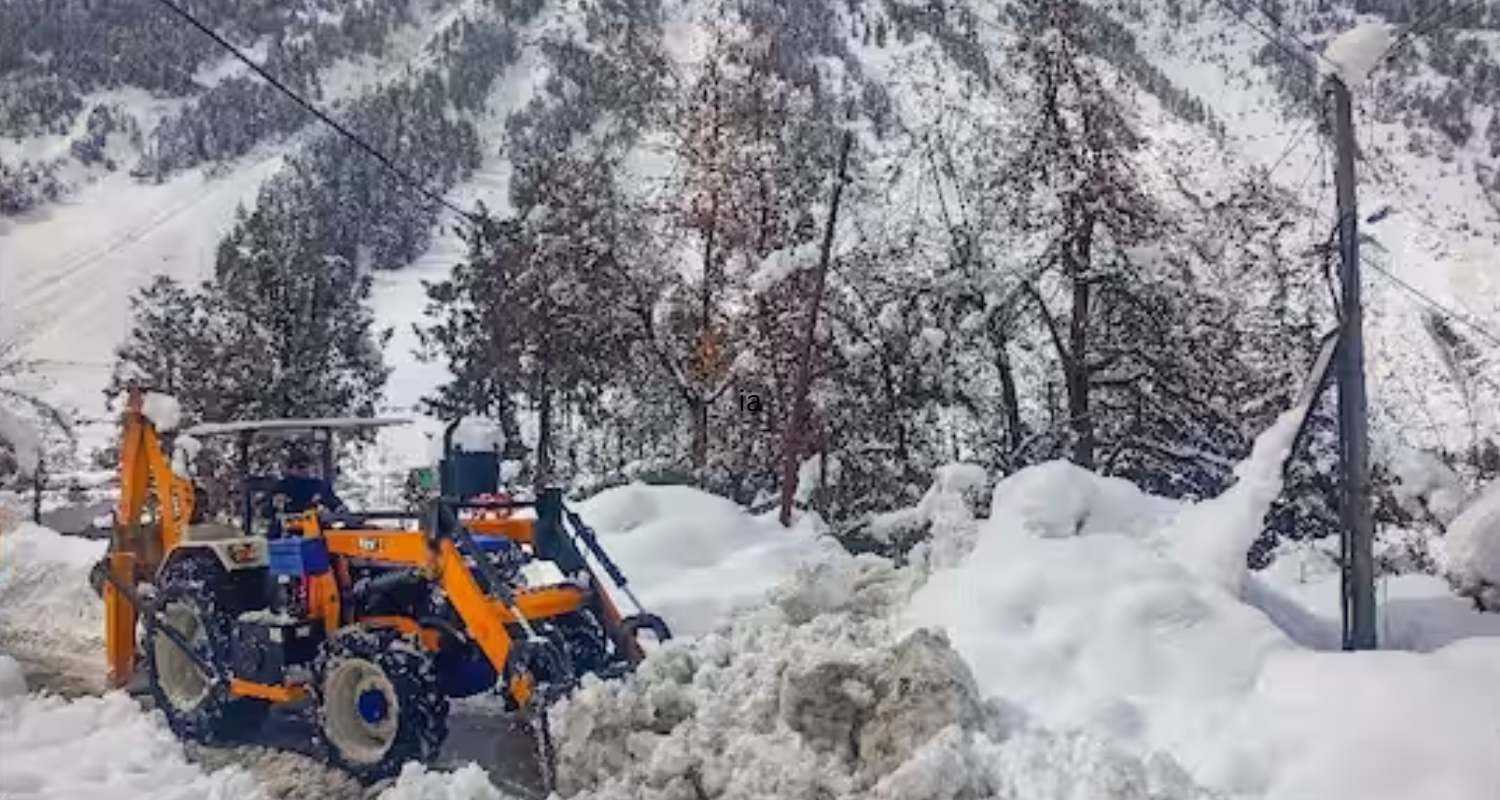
[(1430, 205), (70, 266)]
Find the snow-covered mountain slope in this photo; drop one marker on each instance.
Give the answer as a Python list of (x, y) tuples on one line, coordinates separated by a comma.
[(1429, 206), (69, 270), (68, 267)]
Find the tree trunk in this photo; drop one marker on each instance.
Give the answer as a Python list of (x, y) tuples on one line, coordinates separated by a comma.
[(698, 407), (1076, 365), (1008, 397), (39, 482), (544, 435), (790, 445), (1077, 379), (510, 427)]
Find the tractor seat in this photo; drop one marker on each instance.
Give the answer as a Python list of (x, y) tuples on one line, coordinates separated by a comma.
[(211, 532)]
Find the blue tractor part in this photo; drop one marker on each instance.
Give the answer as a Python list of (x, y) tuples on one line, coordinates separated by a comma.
[(372, 705)]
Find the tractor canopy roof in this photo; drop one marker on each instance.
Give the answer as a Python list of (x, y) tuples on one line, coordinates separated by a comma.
[(293, 426)]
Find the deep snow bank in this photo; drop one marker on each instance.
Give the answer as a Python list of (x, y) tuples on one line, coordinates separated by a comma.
[(693, 557), (815, 695), (1471, 548), (45, 597), (102, 748), (1079, 604)]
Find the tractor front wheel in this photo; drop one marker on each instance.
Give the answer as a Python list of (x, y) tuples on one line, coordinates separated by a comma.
[(198, 705), (379, 703)]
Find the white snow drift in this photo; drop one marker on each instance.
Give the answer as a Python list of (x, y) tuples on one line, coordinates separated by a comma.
[(1104, 644), (1471, 549), (1076, 608), (45, 597), (101, 748), (693, 557)]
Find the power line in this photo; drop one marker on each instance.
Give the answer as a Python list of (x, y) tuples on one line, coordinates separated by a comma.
[(1422, 28), (403, 175), (1281, 28), (1448, 313), (1270, 37), (1292, 144)]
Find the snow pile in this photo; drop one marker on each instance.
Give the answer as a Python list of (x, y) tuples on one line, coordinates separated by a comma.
[(477, 434), (1471, 548), (1426, 485), (1213, 537), (693, 557), (102, 747), (163, 410), (465, 783), (23, 439), (944, 518), (1081, 606), (1356, 53), (816, 696), (45, 595), (1053, 499), (12, 680)]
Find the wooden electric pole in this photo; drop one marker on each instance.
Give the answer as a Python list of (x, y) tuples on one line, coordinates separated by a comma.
[(1354, 445)]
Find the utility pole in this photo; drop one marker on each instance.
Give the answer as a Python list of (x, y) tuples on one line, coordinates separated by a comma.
[(1354, 442)]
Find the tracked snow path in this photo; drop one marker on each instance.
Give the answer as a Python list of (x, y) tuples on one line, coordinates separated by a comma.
[(70, 269)]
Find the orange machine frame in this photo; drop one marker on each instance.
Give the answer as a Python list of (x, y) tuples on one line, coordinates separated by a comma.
[(134, 554), (484, 618)]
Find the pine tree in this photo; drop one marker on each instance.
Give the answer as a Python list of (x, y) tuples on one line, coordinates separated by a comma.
[(283, 329), (529, 314)]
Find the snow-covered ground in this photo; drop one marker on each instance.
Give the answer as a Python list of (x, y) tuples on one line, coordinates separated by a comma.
[(691, 557), (1084, 641), (98, 748), (1085, 617)]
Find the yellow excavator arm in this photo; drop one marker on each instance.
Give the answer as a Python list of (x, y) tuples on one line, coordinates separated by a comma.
[(140, 542)]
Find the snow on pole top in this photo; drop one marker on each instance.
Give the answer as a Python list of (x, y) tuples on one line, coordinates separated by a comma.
[(1355, 53), (163, 410), (477, 434)]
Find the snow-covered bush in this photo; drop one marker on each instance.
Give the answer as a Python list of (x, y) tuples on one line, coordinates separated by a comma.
[(958, 496), (1471, 549), (27, 184)]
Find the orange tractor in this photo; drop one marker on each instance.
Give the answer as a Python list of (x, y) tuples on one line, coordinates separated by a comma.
[(371, 619)]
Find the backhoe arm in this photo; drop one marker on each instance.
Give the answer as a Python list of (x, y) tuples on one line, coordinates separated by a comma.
[(139, 545)]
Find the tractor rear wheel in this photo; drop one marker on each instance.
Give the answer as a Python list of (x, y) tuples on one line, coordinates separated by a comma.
[(198, 706), (379, 703)]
